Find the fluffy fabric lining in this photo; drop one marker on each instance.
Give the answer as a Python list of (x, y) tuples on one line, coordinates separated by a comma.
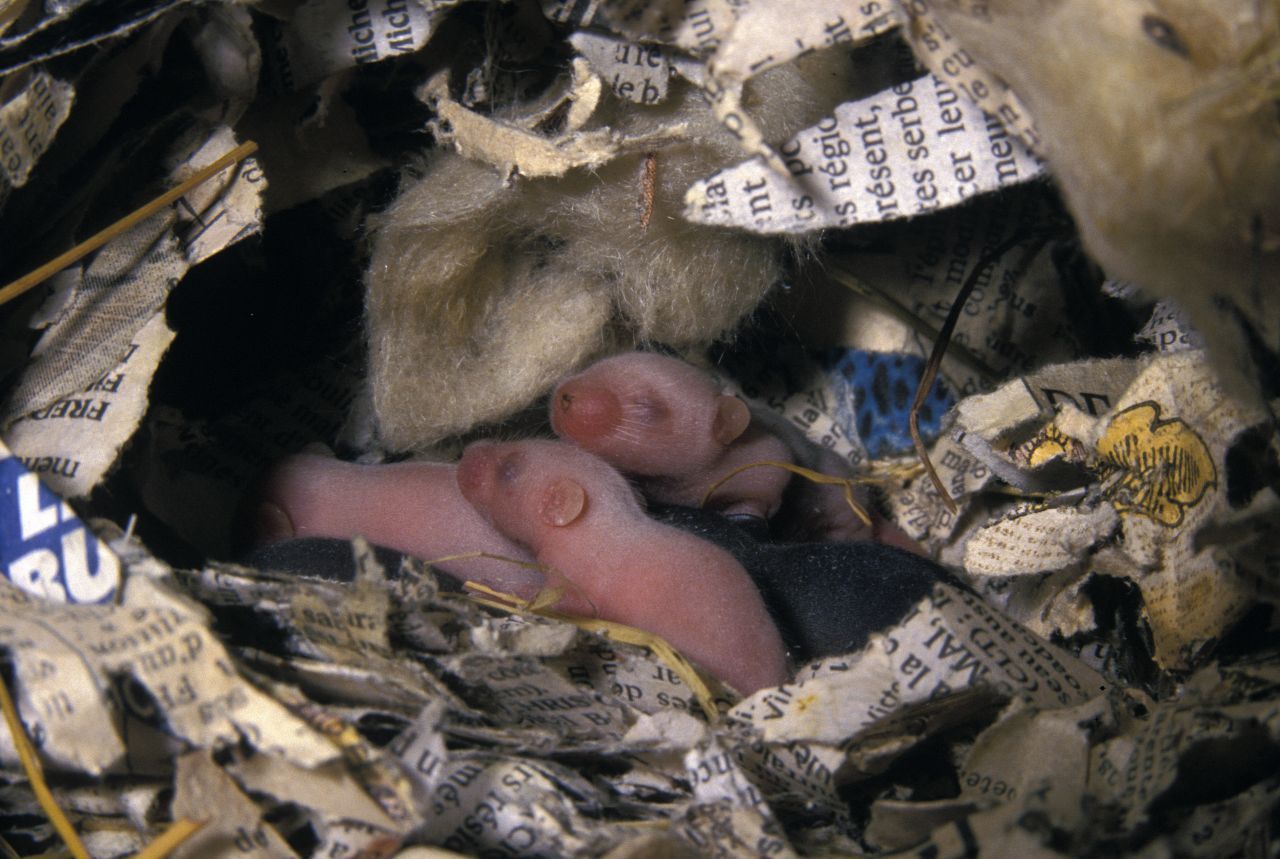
[(482, 294)]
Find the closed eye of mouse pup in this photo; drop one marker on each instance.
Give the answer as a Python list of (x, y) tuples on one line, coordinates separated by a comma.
[(580, 517), (484, 289), (670, 427)]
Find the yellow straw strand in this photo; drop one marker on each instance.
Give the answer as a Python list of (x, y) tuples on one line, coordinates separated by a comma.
[(808, 474), (544, 598), (470, 556), (662, 649), (58, 263), (659, 646), (35, 773)]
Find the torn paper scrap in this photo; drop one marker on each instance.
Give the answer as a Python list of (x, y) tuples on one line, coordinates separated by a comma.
[(1170, 329), (949, 642), (521, 690), (201, 785), (765, 35), (949, 60), (1031, 540), (153, 654), (635, 71), (634, 19), (73, 443), (794, 385), (123, 286), (483, 803), (1129, 773), (330, 793), (10, 11), (34, 106), (46, 550), (1163, 450), (216, 214), (1008, 429), (919, 509), (119, 292), (329, 36), (912, 149), (795, 775), (724, 828), (69, 25), (1007, 763), (517, 150)]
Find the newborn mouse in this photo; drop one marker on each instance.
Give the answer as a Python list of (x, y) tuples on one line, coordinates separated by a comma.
[(669, 426), (410, 507), (580, 517)]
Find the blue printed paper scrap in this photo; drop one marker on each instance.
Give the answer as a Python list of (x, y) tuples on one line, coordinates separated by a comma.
[(45, 548), (873, 392)]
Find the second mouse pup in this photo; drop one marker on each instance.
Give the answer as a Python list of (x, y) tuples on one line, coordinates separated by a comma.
[(411, 507), (581, 518), (670, 426)]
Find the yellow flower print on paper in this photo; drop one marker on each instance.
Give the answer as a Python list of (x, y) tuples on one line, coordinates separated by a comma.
[(1166, 467)]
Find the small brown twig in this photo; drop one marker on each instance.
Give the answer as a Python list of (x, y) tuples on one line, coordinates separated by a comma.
[(648, 188), (935, 362), (869, 291)]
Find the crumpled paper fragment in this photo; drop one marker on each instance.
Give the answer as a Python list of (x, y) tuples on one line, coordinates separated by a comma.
[(951, 641), (947, 57), (515, 149), (881, 158), (1215, 739), (1164, 447), (1032, 540), (128, 280), (158, 655), (33, 106), (199, 785), (327, 37)]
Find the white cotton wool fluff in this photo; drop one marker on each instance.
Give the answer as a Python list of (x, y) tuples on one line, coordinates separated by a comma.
[(1159, 121), (480, 296)]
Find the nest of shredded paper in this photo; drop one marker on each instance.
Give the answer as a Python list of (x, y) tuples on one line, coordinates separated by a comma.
[(1108, 685)]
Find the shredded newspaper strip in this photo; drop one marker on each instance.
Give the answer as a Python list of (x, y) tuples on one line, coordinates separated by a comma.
[(913, 149), (1097, 676), (35, 107)]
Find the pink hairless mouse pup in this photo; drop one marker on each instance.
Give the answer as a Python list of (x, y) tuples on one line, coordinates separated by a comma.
[(581, 518), (668, 425), (412, 507)]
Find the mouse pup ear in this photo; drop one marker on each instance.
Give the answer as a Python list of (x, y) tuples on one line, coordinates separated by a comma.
[(563, 502), (731, 419)]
